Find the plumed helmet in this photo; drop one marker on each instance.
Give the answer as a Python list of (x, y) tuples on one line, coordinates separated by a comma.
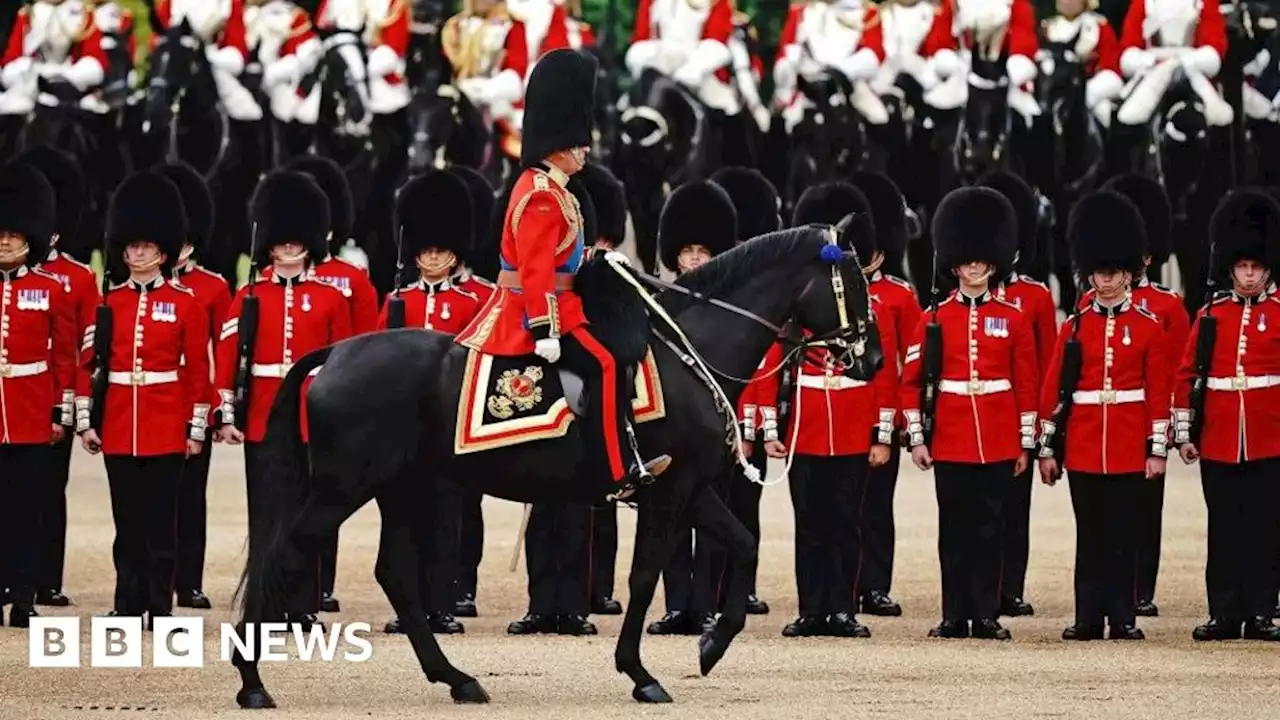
[(1026, 207), (1157, 214), (482, 199), (27, 207), (888, 210), (975, 224), (696, 213), (329, 176), (434, 210), (288, 206), (68, 183), (829, 203), (1245, 226), (754, 198), (610, 203), (197, 200), (1105, 232), (558, 105), (147, 206)]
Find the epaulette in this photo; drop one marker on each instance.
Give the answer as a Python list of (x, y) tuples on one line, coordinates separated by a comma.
[(1147, 314), (896, 280), (1032, 281), (210, 273), (944, 301), (46, 274), (348, 262), (74, 261), (481, 281), (1163, 288), (1006, 303), (181, 288)]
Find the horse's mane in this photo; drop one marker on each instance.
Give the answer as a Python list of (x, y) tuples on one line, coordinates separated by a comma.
[(734, 268)]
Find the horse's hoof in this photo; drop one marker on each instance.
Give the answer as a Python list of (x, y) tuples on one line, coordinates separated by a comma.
[(470, 693), (710, 650), (652, 693), (255, 699)]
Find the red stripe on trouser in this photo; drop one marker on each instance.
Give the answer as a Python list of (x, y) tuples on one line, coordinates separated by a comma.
[(608, 401)]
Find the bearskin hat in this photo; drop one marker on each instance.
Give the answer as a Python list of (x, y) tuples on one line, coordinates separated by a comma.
[(1157, 214), (610, 203), (829, 203), (482, 200), (587, 204), (288, 206), (68, 183), (888, 210), (1025, 206), (559, 105), (28, 207), (975, 224), (696, 213), (1245, 226), (146, 207), (329, 176), (1105, 232), (755, 199), (434, 210), (197, 200)]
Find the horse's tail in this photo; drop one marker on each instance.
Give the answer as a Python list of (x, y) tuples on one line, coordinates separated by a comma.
[(262, 591)]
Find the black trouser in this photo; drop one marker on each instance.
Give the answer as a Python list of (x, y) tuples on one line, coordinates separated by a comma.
[(193, 519), (257, 475), (743, 498), (144, 505), (470, 540), (52, 536), (827, 495), (440, 561), (677, 576), (1106, 537), (878, 532), (970, 498), (1149, 524), (604, 549), (556, 552), (606, 441), (1240, 575), (23, 471), (1016, 535)]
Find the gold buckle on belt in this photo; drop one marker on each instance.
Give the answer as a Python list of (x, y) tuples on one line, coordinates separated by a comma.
[(831, 382), (6, 370), (137, 377), (1239, 382), (975, 387), (1108, 397), (284, 369)]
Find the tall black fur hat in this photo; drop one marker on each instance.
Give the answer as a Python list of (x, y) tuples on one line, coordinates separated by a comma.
[(1105, 232), (329, 176), (146, 207), (755, 199), (27, 207), (482, 199), (559, 105), (1157, 214), (975, 224), (434, 210), (197, 200), (587, 204), (610, 203), (888, 210), (829, 203), (68, 183), (1245, 225), (1025, 206), (696, 213), (288, 206)]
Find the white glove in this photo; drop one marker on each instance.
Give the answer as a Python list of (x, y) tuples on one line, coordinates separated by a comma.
[(762, 117), (614, 256), (689, 74), (548, 349)]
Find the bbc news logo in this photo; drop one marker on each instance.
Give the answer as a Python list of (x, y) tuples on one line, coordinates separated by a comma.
[(178, 642)]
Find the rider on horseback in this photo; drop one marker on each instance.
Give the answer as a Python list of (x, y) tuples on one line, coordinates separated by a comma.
[(989, 29), (50, 39), (535, 309), (221, 27), (1096, 45)]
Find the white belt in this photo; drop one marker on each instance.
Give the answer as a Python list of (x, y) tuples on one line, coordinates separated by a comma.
[(22, 369), (142, 377), (830, 382), (1108, 397), (277, 370), (975, 387), (1256, 382)]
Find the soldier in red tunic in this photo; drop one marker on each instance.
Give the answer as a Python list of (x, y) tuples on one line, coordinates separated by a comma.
[(1236, 383), (155, 408), (37, 364), (1107, 388), (985, 397), (213, 294), (535, 309)]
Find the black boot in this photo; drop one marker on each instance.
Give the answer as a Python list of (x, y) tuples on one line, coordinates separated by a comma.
[(330, 604), (1127, 632), (950, 629), (806, 626), (879, 603), (195, 599), (638, 476), (756, 606), (606, 606), (1260, 628), (393, 626), (576, 625), (675, 622), (52, 598), (1146, 608), (466, 606), (990, 629), (533, 624), (20, 615), (444, 624), (1217, 629), (846, 625), (1016, 607), (1083, 632)]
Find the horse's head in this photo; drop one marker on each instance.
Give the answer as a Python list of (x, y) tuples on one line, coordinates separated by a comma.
[(437, 121), (343, 78), (982, 141), (179, 68), (661, 124), (1251, 25), (1061, 75), (830, 126)]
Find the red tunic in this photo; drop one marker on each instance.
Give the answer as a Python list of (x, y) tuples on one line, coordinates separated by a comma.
[(542, 249), (447, 306), (353, 282), (37, 356), (1169, 308), (158, 373), (1020, 39), (939, 37), (214, 296), (899, 301), (1242, 400), (1210, 31), (1120, 411), (758, 403), (88, 42), (1035, 301), (300, 31), (80, 281), (233, 33), (986, 406)]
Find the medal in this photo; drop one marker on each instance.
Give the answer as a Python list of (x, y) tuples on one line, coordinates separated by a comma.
[(1127, 340), (444, 312), (1262, 322), (306, 302)]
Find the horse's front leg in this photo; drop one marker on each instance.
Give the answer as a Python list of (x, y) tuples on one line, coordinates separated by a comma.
[(713, 517)]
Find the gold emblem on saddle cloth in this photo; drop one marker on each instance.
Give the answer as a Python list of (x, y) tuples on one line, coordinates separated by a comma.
[(516, 390)]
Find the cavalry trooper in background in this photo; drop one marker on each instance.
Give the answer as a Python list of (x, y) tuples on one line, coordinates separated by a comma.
[(436, 232), (473, 39), (1239, 418), (983, 424), (37, 369), (155, 402), (898, 300), (296, 315), (1036, 302), (213, 294), (1114, 411), (80, 281), (698, 222)]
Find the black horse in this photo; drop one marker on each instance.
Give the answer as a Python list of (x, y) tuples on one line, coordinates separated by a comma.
[(177, 116), (985, 133), (829, 142), (382, 410), (445, 127)]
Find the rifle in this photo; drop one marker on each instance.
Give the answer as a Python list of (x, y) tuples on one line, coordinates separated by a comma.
[(787, 381), (1205, 341), (247, 333), (1068, 382), (104, 329), (395, 306), (931, 359)]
